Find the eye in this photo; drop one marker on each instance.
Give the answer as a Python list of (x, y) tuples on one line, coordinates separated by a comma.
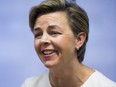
[(38, 35), (54, 33)]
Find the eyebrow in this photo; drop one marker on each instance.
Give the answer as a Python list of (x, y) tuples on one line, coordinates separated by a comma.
[(50, 27), (36, 29)]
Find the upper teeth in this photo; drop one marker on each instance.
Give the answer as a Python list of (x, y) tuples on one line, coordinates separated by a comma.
[(48, 52)]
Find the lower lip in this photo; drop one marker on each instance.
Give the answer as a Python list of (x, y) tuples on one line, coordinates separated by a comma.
[(49, 56)]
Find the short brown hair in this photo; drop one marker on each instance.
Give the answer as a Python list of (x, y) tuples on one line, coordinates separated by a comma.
[(77, 17)]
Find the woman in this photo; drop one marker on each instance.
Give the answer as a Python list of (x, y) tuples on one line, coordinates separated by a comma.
[(61, 32)]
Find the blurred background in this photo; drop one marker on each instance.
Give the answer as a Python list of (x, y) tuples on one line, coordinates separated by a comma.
[(18, 59)]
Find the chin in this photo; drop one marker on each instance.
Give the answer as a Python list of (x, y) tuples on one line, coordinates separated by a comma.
[(50, 64)]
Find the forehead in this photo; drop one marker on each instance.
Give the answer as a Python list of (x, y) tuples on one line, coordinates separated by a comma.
[(55, 18)]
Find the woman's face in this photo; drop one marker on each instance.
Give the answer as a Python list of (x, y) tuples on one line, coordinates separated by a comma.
[(54, 41)]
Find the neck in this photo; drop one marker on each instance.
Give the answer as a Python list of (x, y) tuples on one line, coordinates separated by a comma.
[(72, 75)]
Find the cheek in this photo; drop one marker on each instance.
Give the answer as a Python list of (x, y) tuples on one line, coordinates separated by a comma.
[(66, 47), (36, 45), (65, 42)]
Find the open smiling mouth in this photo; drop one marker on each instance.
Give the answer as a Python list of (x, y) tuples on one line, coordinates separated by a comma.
[(48, 52)]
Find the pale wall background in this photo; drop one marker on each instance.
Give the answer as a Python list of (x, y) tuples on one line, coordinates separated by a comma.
[(18, 59)]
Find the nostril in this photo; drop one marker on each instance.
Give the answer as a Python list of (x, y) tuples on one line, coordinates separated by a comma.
[(45, 42)]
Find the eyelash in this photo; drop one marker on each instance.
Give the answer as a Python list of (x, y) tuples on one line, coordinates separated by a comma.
[(52, 33), (38, 35)]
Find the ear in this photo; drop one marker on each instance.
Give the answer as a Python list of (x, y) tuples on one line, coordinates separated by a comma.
[(80, 39)]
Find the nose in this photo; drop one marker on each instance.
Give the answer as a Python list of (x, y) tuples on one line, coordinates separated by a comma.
[(45, 39)]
